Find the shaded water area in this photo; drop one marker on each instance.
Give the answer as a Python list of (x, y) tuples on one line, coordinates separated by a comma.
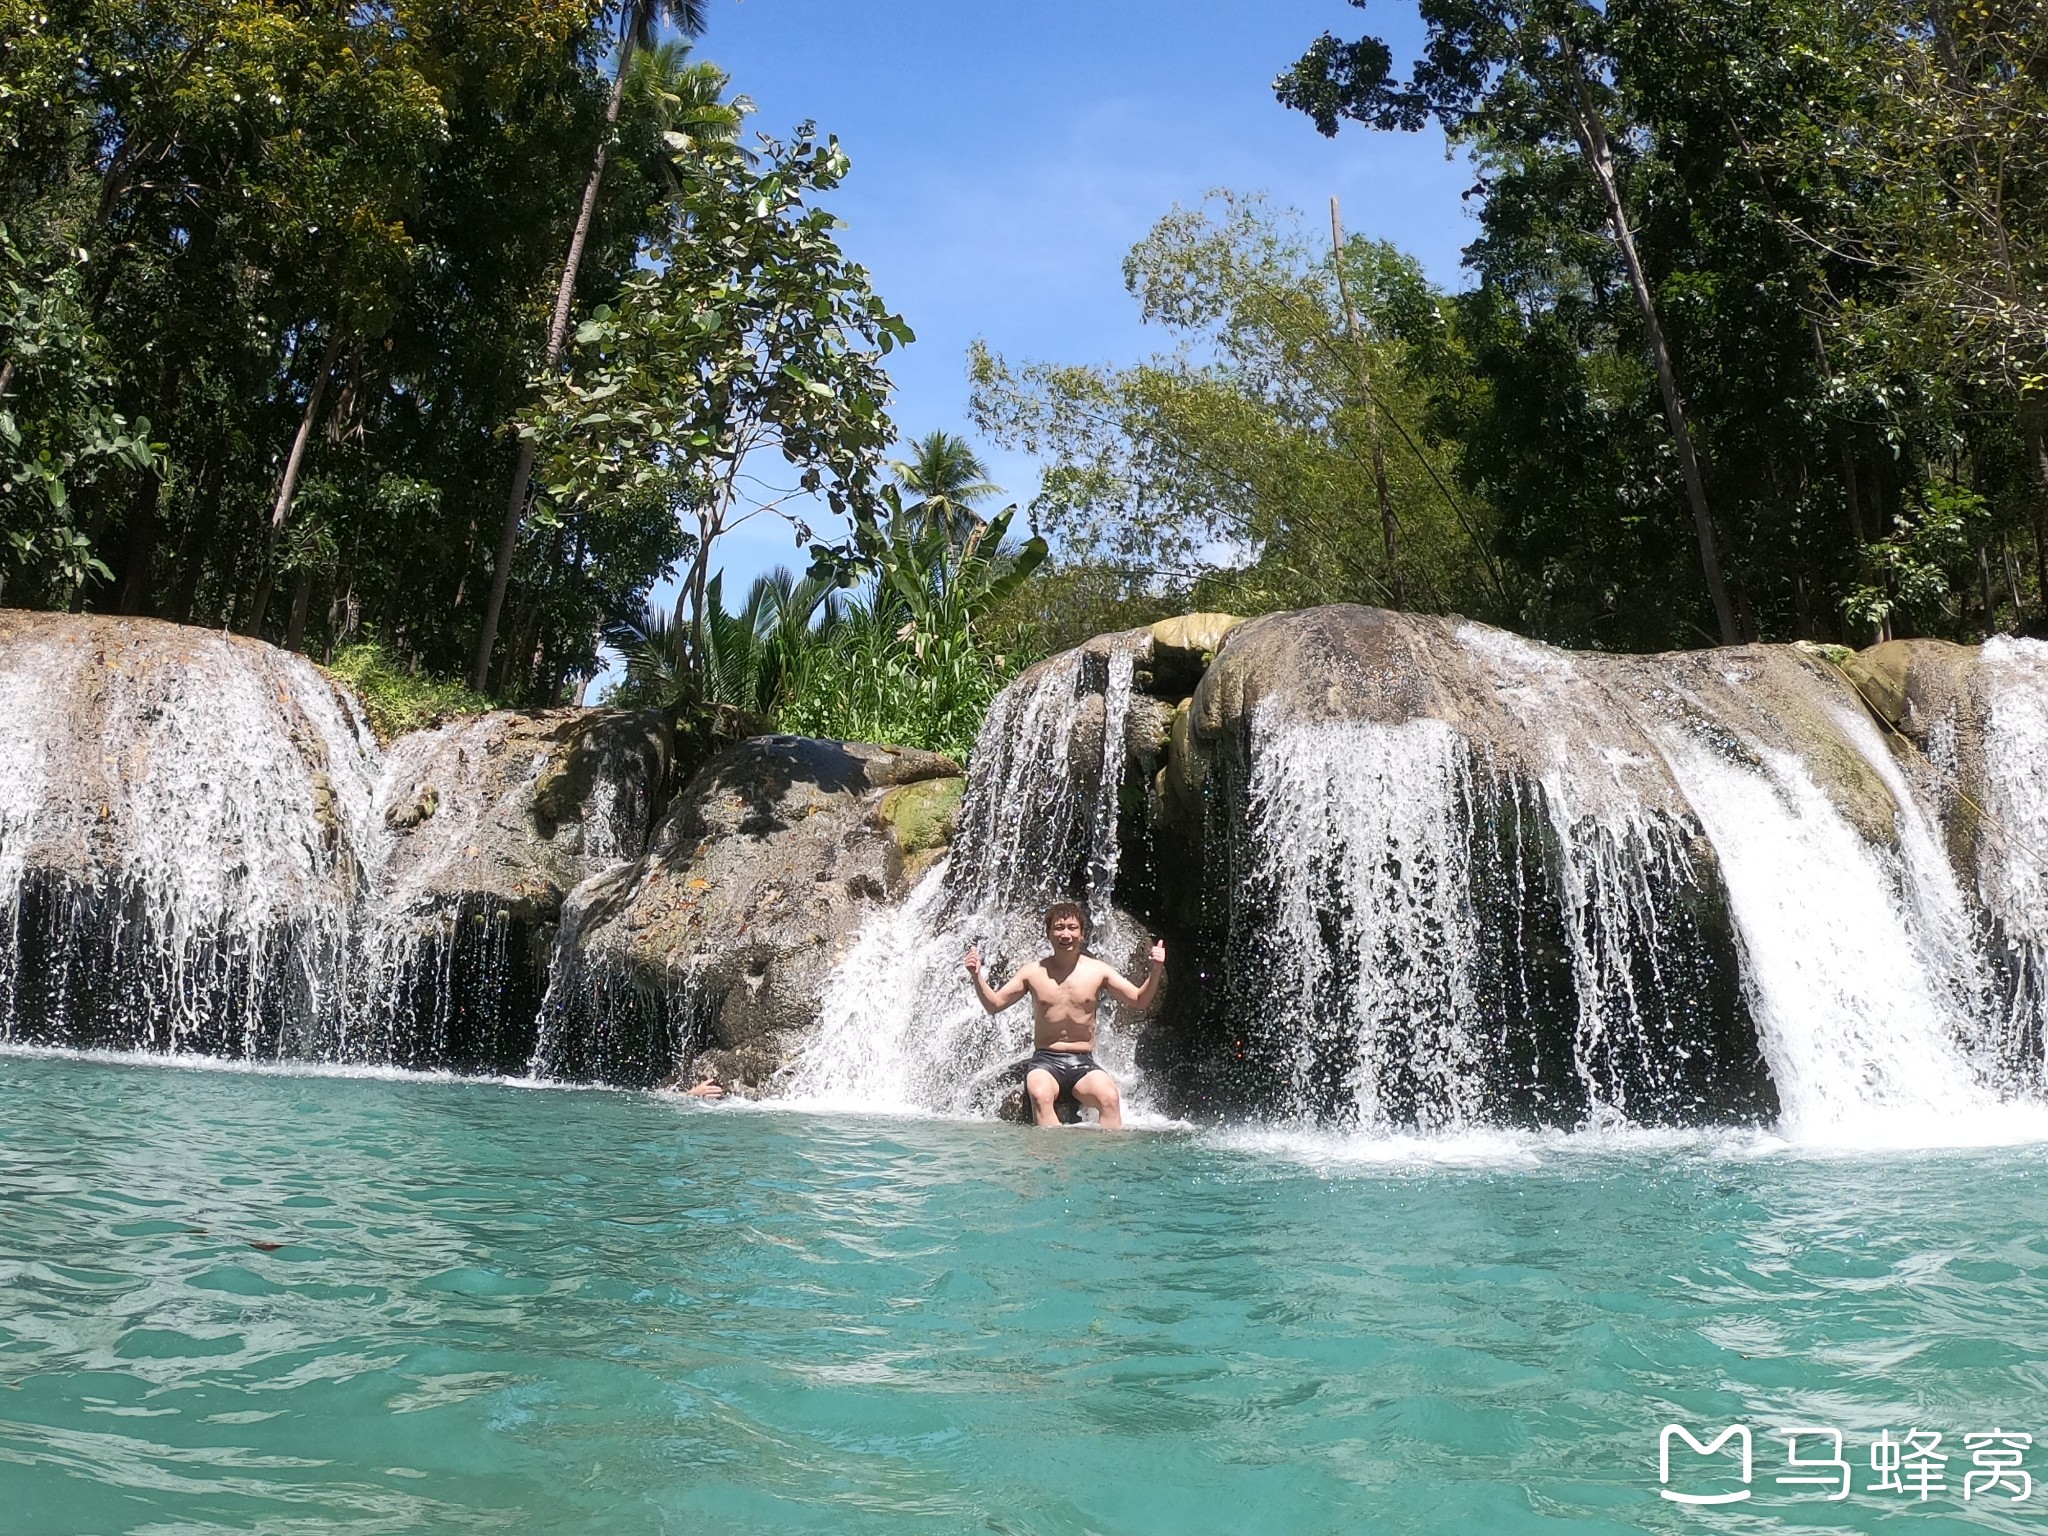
[(255, 1301)]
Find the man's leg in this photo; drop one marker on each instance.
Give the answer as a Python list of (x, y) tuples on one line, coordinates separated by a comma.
[(1099, 1092), (1043, 1090)]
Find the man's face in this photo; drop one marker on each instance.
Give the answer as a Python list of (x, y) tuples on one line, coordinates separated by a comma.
[(1065, 932)]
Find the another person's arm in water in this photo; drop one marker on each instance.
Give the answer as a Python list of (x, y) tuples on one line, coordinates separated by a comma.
[(994, 999), (1139, 997)]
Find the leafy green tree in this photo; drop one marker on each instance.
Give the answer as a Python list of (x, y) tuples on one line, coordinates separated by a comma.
[(1266, 461), (1521, 76), (748, 337), (58, 432), (637, 22)]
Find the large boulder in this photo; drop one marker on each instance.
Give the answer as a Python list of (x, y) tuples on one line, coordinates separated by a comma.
[(1508, 842), (760, 873), (1526, 707), (514, 810), (185, 827)]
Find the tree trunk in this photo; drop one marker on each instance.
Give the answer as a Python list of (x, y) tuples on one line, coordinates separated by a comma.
[(1388, 526), (1594, 144), (259, 605), (194, 547), (139, 559), (288, 487), (302, 603), (558, 335)]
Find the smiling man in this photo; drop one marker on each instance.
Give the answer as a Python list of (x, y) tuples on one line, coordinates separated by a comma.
[(1066, 989)]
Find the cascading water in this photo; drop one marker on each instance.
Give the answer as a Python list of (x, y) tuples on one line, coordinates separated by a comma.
[(171, 875), (900, 1027), (1364, 861), (1577, 888), (1850, 1014), (198, 853), (2012, 845), (1422, 875)]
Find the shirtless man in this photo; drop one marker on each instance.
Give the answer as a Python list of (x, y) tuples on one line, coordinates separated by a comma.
[(1066, 987)]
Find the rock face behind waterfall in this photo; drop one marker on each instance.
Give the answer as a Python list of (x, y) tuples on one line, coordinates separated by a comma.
[(721, 939), (486, 824)]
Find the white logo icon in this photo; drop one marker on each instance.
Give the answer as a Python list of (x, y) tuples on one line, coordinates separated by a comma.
[(1732, 1432)]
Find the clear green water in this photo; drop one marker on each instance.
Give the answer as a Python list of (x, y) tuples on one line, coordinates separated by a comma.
[(495, 1309)]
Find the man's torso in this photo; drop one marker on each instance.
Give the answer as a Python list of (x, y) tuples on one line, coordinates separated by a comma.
[(1063, 1007)]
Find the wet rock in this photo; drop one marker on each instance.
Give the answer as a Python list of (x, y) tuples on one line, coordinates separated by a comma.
[(1182, 648), (513, 810), (760, 873)]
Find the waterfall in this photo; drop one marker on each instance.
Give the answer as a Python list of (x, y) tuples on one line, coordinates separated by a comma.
[(198, 852), (1363, 859), (1420, 875), (900, 1027), (209, 824), (1578, 889), (2012, 843), (1851, 1013)]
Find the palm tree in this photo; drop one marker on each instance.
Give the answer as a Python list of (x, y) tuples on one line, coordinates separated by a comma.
[(748, 662), (637, 24), (948, 478), (686, 103)]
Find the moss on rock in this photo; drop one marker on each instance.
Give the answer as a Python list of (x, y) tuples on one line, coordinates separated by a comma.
[(921, 816)]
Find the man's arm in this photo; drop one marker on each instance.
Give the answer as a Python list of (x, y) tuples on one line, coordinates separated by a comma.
[(1140, 998), (995, 1000)]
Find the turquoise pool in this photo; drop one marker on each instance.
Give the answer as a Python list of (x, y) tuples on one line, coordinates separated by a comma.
[(263, 1302)]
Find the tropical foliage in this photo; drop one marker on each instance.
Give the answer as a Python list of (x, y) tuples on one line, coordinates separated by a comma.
[(431, 338), (891, 638), (1278, 456), (1755, 348), (289, 298)]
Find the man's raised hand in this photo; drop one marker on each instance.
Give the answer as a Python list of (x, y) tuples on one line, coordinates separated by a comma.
[(974, 961), (1159, 952)]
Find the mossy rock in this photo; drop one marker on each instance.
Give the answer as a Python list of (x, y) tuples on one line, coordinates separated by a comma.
[(921, 816)]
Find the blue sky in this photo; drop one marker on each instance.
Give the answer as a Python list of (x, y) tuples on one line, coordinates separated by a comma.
[(1006, 155)]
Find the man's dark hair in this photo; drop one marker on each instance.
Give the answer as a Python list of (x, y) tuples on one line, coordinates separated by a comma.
[(1073, 909)]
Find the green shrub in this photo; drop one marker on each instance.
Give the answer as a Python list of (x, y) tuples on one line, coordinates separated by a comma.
[(398, 700)]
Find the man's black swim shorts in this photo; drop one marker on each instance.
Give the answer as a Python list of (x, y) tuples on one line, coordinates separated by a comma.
[(1067, 1068)]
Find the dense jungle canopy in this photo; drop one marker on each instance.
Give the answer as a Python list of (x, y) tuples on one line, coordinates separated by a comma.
[(450, 327)]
